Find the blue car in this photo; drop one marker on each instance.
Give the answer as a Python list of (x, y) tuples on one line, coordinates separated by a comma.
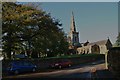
[(17, 67)]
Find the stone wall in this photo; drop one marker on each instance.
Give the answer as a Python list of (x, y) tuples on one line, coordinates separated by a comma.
[(114, 61)]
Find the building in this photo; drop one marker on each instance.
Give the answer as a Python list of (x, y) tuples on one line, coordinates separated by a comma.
[(75, 47), (99, 47), (73, 37)]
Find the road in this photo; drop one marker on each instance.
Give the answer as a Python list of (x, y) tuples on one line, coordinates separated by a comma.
[(79, 71)]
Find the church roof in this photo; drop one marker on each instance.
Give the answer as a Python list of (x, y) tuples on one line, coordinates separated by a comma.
[(86, 43), (102, 42)]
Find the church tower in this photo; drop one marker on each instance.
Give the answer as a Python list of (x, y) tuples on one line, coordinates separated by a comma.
[(73, 35)]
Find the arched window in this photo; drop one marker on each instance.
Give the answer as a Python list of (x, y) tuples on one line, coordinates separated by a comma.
[(95, 49)]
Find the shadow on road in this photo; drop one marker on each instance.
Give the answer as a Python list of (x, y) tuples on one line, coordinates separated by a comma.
[(104, 74), (99, 75), (87, 64)]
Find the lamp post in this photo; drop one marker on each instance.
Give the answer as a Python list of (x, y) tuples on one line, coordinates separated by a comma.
[(106, 64)]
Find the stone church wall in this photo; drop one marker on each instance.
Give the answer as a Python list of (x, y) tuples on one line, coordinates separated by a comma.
[(87, 49), (103, 49)]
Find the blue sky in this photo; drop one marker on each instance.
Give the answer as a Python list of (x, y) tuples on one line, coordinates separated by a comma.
[(94, 20), (66, 0)]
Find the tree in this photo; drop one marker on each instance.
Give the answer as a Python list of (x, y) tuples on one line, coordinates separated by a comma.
[(26, 28), (118, 40), (14, 19)]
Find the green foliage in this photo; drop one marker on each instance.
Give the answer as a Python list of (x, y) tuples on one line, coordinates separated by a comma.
[(78, 56), (32, 31), (117, 41)]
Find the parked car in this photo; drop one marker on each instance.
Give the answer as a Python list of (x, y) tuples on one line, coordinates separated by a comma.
[(60, 64), (21, 66)]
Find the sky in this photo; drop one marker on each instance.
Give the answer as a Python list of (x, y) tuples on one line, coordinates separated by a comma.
[(94, 20), (64, 0)]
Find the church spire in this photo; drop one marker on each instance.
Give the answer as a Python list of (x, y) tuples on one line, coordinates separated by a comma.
[(73, 35), (73, 29)]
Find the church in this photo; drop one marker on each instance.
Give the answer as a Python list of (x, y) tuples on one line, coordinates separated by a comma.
[(98, 47), (73, 37)]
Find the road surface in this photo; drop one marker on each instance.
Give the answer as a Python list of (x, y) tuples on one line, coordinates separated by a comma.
[(90, 70)]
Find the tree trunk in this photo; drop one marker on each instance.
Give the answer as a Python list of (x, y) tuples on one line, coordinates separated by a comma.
[(9, 53), (29, 49), (9, 47)]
